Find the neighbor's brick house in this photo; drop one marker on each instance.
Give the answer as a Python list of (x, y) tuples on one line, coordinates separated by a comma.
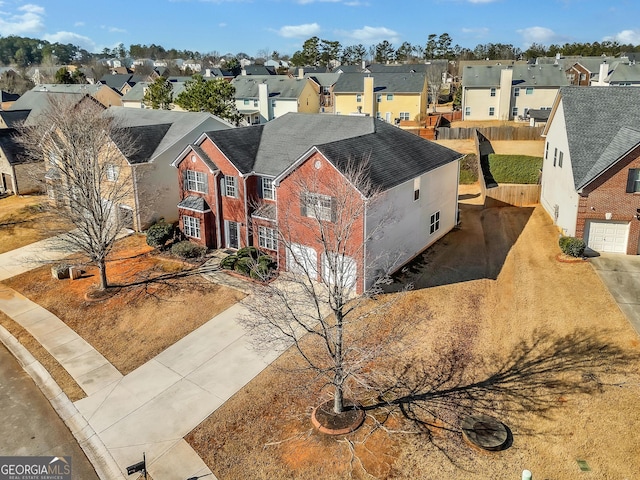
[(244, 187), (591, 169)]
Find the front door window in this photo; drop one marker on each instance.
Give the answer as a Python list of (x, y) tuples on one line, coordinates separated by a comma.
[(233, 237)]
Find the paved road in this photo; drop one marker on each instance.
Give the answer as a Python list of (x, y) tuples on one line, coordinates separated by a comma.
[(621, 275), (30, 426)]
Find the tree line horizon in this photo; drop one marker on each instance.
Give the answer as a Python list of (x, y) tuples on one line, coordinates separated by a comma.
[(25, 51)]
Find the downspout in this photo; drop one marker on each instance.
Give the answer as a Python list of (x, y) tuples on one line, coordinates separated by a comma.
[(218, 213), (246, 209), (364, 250), (135, 197), (458, 194)]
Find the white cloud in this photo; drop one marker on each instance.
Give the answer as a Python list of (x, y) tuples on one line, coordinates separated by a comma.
[(626, 37), (29, 20), (117, 30), (368, 35), (303, 31), (482, 1), (305, 2), (79, 24), (541, 35), (72, 38), (222, 24), (478, 32)]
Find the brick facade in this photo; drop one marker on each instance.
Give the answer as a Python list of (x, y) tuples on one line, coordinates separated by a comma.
[(607, 194)]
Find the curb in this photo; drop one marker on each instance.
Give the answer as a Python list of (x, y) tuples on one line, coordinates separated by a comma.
[(87, 438)]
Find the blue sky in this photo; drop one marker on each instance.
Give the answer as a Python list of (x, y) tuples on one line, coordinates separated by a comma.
[(252, 26)]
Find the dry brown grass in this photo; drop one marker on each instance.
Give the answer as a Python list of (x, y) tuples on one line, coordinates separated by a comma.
[(159, 301), (572, 390), (59, 374), (26, 219), (506, 147)]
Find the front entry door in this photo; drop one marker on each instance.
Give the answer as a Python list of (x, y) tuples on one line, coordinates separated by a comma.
[(233, 237)]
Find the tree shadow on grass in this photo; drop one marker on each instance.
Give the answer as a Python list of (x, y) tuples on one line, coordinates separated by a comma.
[(434, 395)]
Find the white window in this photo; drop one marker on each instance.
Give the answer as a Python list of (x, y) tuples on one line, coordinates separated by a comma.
[(546, 151), (492, 111), (195, 181), (467, 111), (379, 98), (246, 101), (273, 104), (255, 103), (317, 206), (416, 189), (191, 226), (529, 91), (434, 223), (634, 181), (267, 189), (516, 92), (112, 172), (390, 97), (555, 157), (267, 238), (404, 115), (358, 97), (514, 112), (560, 159), (492, 91), (53, 158), (231, 187)]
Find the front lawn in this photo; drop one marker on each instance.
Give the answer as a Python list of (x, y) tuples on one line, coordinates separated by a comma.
[(158, 301), (543, 347)]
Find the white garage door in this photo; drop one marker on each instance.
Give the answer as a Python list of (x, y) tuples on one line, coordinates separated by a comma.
[(302, 259), (607, 236), (344, 268)]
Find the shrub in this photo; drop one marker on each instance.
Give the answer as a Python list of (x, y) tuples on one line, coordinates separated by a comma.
[(188, 249), (250, 252), (469, 169), (159, 234), (229, 263), (572, 246), (515, 168), (244, 265)]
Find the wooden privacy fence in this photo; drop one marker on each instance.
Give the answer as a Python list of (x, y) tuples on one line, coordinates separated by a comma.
[(520, 195), (492, 133)]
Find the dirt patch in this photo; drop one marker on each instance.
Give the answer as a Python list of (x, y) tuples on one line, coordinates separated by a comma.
[(536, 343), (533, 148), (153, 307), (25, 220)]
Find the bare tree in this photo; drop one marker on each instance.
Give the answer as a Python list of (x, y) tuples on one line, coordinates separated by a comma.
[(314, 306), (435, 73), (85, 151)]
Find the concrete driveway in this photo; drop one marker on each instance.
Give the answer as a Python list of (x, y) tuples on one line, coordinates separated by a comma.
[(621, 275)]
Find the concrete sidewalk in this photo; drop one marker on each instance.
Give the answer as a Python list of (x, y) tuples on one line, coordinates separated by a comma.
[(31, 256), (154, 407)]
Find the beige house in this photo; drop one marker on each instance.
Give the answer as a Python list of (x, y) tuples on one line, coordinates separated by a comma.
[(18, 175), (495, 92), (388, 96)]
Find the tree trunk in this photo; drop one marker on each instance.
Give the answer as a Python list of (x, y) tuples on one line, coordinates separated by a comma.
[(338, 377), (338, 400), (102, 267)]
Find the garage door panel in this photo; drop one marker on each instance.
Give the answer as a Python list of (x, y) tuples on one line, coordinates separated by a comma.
[(607, 236), (302, 259)]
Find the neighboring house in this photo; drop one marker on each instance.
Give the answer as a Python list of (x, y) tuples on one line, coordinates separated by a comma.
[(193, 65), (508, 93), (323, 84), (36, 98), (134, 98), (261, 98), (7, 99), (582, 71), (618, 75), (388, 96), (242, 187), (591, 170), (258, 70), (18, 174), (122, 83)]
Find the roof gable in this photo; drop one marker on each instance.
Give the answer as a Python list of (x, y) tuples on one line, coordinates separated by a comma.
[(382, 82)]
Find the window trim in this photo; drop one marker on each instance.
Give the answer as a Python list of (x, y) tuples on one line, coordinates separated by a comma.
[(633, 181), (230, 186), (267, 238), (193, 184), (555, 156), (191, 227), (434, 222), (516, 91), (318, 206), (492, 92), (112, 172), (560, 157), (467, 111), (268, 189), (492, 111), (389, 97), (358, 97), (528, 91), (406, 116)]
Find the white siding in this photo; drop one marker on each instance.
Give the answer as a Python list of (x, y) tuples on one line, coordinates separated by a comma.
[(405, 223), (557, 182)]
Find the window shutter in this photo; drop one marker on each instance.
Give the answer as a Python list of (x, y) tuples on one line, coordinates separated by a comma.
[(631, 180), (303, 204), (206, 183), (223, 189), (334, 206), (184, 180), (261, 188)]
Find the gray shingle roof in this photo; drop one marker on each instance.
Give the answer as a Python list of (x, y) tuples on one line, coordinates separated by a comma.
[(195, 203), (270, 149), (625, 73), (14, 118), (38, 101), (13, 149), (146, 139), (382, 82), (600, 126), (278, 86), (523, 76)]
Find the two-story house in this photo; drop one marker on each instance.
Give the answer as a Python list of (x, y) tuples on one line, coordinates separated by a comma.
[(261, 98), (495, 92), (388, 96), (591, 169), (244, 187)]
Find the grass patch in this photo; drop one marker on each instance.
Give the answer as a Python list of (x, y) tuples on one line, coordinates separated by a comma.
[(25, 220), (515, 168), (469, 169), (153, 304)]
